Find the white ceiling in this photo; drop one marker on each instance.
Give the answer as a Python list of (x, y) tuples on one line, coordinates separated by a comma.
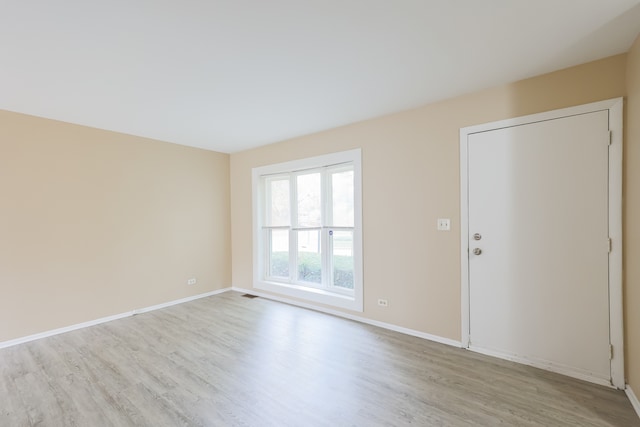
[(228, 75)]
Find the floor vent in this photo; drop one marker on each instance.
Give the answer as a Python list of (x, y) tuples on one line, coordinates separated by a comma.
[(250, 296)]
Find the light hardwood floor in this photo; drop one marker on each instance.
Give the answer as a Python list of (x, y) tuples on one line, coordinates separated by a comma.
[(227, 360)]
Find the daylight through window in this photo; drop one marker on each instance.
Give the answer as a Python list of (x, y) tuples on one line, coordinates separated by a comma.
[(307, 235)]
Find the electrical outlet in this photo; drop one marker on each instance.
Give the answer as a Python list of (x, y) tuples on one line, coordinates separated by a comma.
[(383, 303), (191, 281), (444, 224)]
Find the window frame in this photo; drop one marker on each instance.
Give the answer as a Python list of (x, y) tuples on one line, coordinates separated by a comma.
[(330, 295)]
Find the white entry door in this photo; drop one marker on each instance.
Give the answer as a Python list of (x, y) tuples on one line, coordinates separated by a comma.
[(538, 239)]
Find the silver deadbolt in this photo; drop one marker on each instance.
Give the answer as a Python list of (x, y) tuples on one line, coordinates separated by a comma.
[(477, 251), (477, 236)]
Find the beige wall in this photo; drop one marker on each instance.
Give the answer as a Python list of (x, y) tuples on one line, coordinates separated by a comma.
[(96, 223), (410, 178), (632, 219)]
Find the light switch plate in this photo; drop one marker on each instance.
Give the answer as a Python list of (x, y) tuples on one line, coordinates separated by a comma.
[(444, 224)]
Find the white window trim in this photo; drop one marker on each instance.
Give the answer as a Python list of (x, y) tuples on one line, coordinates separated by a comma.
[(353, 302)]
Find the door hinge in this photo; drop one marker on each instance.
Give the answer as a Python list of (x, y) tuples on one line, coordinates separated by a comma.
[(610, 141), (609, 245), (610, 352)]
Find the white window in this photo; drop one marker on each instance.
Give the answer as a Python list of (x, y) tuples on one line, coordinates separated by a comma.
[(307, 219)]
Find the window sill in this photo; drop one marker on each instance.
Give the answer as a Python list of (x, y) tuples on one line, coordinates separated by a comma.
[(312, 294)]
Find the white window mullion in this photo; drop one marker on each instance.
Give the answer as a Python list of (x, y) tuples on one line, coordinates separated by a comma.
[(267, 250), (322, 242), (293, 256), (293, 235), (326, 267), (326, 230)]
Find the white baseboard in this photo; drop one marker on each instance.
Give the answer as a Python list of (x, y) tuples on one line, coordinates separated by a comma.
[(58, 331), (547, 366), (634, 399), (180, 301), (70, 328), (360, 319)]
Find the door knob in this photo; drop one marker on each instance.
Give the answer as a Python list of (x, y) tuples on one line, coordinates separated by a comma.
[(477, 251)]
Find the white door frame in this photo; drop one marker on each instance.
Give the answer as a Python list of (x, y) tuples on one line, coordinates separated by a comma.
[(614, 106)]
